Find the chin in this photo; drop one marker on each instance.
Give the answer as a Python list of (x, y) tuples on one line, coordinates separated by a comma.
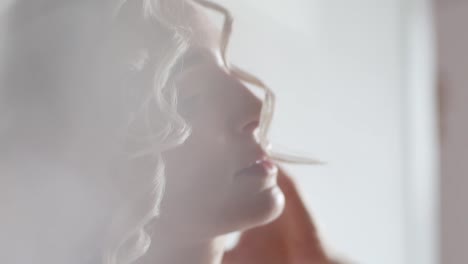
[(253, 210), (267, 206)]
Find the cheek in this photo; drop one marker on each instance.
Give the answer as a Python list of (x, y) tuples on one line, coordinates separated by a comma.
[(208, 152), (200, 165), (200, 172)]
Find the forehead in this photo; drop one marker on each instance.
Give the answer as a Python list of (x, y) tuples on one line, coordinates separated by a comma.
[(204, 31)]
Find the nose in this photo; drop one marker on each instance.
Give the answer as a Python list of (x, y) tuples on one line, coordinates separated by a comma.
[(250, 127), (251, 108), (246, 105)]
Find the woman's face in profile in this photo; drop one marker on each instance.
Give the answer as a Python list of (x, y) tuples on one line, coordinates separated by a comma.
[(215, 181)]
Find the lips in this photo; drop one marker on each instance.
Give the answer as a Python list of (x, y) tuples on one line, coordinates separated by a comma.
[(261, 167)]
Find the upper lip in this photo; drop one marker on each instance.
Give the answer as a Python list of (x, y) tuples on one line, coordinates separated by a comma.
[(253, 161)]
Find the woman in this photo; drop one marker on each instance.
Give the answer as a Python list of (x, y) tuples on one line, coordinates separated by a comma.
[(129, 138)]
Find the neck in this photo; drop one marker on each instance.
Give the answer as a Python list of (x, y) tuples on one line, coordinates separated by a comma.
[(208, 251)]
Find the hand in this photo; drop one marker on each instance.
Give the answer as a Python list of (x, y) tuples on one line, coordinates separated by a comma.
[(290, 239)]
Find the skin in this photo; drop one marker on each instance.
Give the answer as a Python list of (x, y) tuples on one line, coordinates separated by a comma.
[(292, 238)]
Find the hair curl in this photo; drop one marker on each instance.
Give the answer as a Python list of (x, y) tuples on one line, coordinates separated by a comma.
[(129, 238)]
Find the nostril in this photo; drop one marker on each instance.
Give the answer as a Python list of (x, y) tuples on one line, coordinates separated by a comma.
[(251, 126)]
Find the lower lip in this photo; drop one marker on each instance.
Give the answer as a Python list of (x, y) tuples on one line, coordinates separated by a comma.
[(264, 168)]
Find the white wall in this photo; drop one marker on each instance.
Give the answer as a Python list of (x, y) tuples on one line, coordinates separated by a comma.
[(421, 137), (339, 71)]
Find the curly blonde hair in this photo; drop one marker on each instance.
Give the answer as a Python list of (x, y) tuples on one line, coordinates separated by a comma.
[(129, 238)]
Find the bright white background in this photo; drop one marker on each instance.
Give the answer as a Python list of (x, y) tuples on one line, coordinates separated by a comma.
[(352, 78)]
